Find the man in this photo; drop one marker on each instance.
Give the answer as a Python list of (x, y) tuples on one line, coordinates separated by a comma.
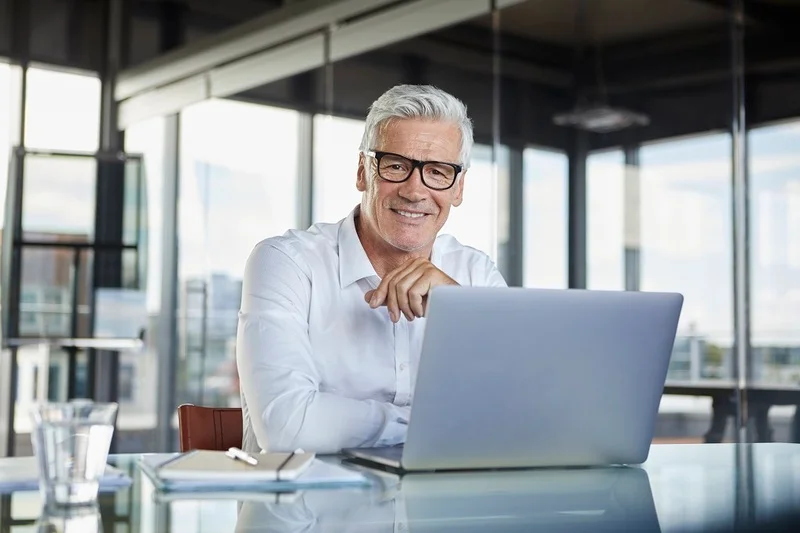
[(331, 322)]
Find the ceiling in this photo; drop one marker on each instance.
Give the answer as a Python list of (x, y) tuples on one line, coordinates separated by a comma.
[(618, 21)]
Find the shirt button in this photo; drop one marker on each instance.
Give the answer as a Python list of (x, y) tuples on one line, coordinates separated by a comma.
[(402, 367)]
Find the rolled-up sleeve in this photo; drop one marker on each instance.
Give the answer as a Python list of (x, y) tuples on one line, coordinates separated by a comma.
[(279, 379)]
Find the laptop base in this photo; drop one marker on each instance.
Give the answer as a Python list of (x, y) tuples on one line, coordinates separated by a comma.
[(390, 456)]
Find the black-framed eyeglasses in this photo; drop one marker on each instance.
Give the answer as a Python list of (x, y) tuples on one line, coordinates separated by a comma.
[(396, 168)]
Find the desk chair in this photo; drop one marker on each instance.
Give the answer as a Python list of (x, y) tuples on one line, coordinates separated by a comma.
[(209, 428)]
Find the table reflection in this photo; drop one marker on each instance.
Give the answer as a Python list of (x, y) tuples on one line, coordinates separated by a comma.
[(85, 519), (710, 488), (601, 499)]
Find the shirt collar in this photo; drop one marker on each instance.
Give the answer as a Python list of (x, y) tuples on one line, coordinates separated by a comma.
[(354, 265)]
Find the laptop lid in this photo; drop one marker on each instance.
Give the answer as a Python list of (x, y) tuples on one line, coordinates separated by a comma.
[(513, 377)]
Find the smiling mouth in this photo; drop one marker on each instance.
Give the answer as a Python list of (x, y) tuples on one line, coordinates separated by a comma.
[(409, 214)]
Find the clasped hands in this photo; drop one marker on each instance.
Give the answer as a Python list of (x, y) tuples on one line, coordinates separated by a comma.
[(406, 288)]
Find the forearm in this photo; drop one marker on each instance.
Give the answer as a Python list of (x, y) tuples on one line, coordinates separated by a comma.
[(322, 422)]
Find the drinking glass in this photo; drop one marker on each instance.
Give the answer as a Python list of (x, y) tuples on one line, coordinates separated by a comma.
[(71, 442)]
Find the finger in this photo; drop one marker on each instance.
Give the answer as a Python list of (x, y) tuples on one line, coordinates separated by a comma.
[(378, 297), (391, 301), (419, 292), (392, 294), (418, 296), (403, 287)]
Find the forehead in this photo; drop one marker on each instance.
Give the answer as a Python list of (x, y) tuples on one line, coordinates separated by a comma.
[(420, 138)]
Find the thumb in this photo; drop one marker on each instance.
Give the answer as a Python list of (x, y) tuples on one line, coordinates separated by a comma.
[(368, 295)]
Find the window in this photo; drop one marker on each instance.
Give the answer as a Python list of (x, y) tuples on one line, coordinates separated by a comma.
[(775, 252), (127, 382), (54, 378), (238, 186), (147, 138), (63, 205), (62, 111), (673, 219), (139, 411), (686, 237), (545, 181), (336, 142), (605, 216), (476, 221)]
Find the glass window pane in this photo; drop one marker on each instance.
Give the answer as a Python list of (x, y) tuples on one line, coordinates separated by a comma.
[(62, 111), (686, 245), (42, 375), (605, 217), (134, 202), (46, 293), (238, 170), (58, 198), (131, 270), (545, 181), (775, 255), (147, 138), (475, 221), (136, 420), (336, 142)]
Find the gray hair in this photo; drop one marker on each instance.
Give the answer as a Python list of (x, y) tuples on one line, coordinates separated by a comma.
[(418, 101)]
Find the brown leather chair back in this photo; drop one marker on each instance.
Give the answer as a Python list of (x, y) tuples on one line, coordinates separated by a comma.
[(209, 428)]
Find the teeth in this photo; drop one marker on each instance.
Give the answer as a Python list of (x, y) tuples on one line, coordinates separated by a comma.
[(410, 215)]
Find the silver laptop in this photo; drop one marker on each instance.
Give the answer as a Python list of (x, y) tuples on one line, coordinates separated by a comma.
[(513, 377)]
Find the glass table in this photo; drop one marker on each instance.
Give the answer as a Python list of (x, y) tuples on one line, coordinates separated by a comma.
[(704, 487)]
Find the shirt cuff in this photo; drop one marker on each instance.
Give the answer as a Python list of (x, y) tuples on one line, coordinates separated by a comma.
[(394, 432)]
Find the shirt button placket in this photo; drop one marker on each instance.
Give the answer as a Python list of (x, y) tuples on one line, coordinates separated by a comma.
[(401, 357)]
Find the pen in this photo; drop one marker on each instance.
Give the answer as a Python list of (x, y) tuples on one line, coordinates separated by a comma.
[(176, 459), (284, 463), (240, 455)]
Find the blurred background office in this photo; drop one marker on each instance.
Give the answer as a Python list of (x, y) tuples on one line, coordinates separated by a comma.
[(147, 145)]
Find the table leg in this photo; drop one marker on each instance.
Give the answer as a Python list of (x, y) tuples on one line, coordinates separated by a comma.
[(795, 435), (721, 408), (760, 413)]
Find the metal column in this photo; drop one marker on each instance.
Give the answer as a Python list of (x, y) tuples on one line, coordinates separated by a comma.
[(167, 341), (103, 365), (578, 152), (515, 248), (20, 11), (741, 226)]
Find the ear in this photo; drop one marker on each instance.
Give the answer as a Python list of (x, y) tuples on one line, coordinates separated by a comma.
[(459, 197), (361, 174)]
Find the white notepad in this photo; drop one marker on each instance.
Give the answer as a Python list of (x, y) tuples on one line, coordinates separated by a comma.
[(210, 465), (317, 474)]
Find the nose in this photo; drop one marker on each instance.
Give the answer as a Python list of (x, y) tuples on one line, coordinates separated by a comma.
[(413, 189)]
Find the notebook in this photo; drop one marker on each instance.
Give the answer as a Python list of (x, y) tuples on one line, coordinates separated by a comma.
[(209, 471), (208, 465)]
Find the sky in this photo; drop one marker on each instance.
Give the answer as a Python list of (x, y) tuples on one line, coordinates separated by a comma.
[(239, 184)]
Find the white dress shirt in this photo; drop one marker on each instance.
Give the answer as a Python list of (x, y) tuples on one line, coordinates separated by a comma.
[(319, 369)]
